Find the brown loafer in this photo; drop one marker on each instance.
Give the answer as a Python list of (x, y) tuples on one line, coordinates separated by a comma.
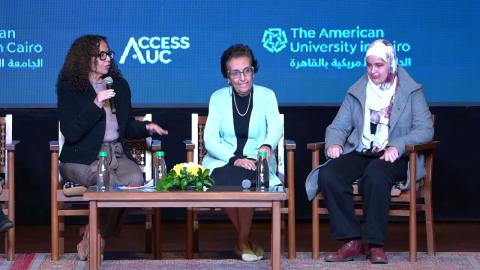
[(377, 255), (347, 252)]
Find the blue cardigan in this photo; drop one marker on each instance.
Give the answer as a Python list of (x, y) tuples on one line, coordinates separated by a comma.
[(265, 128)]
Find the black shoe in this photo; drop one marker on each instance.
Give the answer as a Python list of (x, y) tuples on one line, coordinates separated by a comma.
[(5, 225)]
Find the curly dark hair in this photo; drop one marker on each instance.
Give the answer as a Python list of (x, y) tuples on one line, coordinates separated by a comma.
[(234, 51), (77, 64)]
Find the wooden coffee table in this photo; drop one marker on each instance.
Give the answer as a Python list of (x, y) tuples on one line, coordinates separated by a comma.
[(215, 197)]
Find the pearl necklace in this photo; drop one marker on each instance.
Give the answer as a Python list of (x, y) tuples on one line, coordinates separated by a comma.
[(248, 106)]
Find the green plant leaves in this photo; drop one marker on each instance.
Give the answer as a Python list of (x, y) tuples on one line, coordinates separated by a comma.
[(186, 180)]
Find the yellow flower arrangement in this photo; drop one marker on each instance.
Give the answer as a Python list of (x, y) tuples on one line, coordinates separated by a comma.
[(186, 175)]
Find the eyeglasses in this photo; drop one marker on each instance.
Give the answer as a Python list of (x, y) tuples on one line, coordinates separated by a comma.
[(103, 55), (236, 74)]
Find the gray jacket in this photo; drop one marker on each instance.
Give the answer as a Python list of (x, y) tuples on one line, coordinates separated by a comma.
[(410, 123)]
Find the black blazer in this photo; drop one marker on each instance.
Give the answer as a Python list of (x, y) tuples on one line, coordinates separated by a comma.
[(83, 123)]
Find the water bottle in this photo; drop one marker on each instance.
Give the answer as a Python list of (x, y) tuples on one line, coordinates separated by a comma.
[(263, 173), (103, 177), (160, 169)]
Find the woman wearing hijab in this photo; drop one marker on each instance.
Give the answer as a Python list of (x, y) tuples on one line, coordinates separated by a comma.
[(382, 112)]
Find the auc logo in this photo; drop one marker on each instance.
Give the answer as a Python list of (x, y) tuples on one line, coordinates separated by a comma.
[(274, 40), (154, 49)]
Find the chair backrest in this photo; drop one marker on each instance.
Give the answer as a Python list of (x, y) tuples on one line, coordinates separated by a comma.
[(138, 149), (5, 138), (198, 129)]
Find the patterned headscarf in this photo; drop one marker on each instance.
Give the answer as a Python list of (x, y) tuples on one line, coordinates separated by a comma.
[(384, 50), (379, 99)]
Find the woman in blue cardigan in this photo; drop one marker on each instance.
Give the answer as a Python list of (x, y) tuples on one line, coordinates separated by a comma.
[(243, 119)]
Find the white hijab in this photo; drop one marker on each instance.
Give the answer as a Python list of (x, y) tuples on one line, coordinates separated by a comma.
[(379, 98)]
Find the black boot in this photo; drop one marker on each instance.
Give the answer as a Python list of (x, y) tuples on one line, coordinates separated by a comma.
[(5, 223)]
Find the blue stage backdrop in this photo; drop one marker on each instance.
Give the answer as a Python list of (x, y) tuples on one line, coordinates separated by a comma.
[(309, 52)]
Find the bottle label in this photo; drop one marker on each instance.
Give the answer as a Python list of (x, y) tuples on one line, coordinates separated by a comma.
[(100, 182)]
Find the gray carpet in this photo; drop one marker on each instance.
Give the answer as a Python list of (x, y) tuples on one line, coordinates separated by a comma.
[(217, 261)]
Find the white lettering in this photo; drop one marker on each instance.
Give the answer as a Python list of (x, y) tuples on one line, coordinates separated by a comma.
[(143, 42), (153, 49), (185, 41), (138, 54), (13, 47), (154, 43), (7, 33)]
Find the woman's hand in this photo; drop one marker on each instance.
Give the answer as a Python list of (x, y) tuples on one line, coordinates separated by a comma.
[(391, 154), (102, 96), (154, 128), (334, 151), (245, 163)]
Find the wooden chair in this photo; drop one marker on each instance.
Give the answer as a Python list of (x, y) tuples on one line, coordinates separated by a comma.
[(195, 150), (62, 205), (406, 203), (7, 168)]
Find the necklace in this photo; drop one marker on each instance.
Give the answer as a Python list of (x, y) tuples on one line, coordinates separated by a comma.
[(248, 106)]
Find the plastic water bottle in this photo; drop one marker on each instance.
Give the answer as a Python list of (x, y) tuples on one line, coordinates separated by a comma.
[(263, 172), (160, 169), (103, 177)]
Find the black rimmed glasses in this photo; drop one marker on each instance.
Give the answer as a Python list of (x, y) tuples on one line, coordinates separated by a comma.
[(236, 74), (103, 55)]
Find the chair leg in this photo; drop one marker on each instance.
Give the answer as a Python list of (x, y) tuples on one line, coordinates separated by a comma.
[(157, 234), (283, 236), (315, 229), (196, 233), (61, 235), (54, 232), (292, 252), (5, 242), (413, 233), (10, 244), (148, 230), (429, 224), (10, 239)]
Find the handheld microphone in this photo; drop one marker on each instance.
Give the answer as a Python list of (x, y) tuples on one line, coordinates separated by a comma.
[(246, 184), (108, 83)]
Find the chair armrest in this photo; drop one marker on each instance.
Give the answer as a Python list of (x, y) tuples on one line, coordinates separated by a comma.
[(156, 145), (11, 146), (189, 145), (316, 146), (422, 147), (290, 145), (54, 146)]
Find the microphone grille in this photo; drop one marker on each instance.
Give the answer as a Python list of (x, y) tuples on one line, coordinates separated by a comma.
[(108, 80)]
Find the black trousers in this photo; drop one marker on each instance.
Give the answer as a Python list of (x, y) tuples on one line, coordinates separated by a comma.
[(376, 180)]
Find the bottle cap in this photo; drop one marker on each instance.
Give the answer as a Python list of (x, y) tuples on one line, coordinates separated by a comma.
[(103, 154), (160, 154), (262, 154)]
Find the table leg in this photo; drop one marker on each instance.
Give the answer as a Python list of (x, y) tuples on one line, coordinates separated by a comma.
[(94, 261), (276, 220), (157, 230)]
